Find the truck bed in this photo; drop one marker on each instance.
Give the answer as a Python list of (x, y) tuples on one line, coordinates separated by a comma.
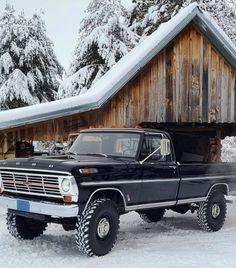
[(198, 177)]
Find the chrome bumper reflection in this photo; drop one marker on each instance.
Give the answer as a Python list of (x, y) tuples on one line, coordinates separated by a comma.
[(44, 208)]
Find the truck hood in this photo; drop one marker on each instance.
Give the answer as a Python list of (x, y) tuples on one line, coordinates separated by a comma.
[(62, 163)]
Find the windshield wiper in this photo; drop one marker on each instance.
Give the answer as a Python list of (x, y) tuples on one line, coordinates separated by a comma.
[(95, 154), (92, 154), (72, 154)]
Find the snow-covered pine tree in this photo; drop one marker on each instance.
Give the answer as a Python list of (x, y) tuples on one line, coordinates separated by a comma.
[(29, 70), (147, 15), (104, 38), (223, 11)]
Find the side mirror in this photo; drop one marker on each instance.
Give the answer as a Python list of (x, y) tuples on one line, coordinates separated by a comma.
[(165, 147)]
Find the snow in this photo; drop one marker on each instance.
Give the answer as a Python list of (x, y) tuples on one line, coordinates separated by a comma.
[(28, 65), (115, 78), (148, 15), (10, 89), (104, 38), (228, 152), (6, 63), (224, 37), (175, 242)]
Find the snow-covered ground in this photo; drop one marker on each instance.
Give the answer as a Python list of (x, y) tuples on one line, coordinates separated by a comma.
[(174, 242)]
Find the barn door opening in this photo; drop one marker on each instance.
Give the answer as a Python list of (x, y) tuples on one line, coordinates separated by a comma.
[(196, 147), (192, 143)]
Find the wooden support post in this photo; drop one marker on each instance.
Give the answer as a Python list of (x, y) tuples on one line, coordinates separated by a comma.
[(218, 145), (215, 147), (5, 144)]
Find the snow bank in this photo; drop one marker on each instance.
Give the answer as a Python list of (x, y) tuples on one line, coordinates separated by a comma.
[(175, 242), (228, 152)]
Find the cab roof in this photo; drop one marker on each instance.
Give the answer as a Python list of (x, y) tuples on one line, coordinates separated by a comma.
[(137, 130)]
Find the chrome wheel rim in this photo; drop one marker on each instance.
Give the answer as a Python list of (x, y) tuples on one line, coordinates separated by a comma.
[(215, 211), (103, 228)]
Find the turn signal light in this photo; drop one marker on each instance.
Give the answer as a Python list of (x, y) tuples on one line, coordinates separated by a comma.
[(67, 199), (88, 170)]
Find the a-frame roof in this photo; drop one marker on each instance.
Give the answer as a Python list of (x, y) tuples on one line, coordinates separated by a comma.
[(104, 89)]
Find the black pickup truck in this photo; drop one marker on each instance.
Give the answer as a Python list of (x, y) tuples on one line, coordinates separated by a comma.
[(106, 173)]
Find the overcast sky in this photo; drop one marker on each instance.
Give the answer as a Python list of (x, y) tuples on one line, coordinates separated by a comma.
[(62, 18)]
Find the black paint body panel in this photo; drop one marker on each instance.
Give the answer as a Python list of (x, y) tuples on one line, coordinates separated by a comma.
[(198, 178)]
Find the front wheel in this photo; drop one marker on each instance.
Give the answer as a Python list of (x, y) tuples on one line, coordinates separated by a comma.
[(97, 228), (212, 212), (24, 228)]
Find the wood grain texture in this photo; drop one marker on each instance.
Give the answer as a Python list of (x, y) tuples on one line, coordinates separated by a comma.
[(188, 81)]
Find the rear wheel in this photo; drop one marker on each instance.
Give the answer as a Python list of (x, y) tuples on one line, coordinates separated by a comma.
[(24, 228), (97, 228), (212, 213), (152, 215)]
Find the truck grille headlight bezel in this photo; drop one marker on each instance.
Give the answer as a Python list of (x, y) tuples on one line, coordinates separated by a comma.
[(72, 190)]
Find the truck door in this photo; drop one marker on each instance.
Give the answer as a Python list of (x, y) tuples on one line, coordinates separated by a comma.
[(160, 179)]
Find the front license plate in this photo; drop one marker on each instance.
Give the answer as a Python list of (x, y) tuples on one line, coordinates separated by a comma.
[(23, 205)]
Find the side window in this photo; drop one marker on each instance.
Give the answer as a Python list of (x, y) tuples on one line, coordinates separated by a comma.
[(150, 144)]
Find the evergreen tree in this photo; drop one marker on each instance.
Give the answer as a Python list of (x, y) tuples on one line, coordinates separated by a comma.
[(224, 12), (147, 15), (29, 70), (104, 38)]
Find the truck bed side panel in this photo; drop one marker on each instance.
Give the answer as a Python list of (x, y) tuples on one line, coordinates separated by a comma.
[(198, 178)]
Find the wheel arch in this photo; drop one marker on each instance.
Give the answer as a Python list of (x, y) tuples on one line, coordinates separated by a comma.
[(114, 194), (222, 187)]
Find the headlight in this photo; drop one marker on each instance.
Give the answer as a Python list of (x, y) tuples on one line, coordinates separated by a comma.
[(65, 185), (69, 189)]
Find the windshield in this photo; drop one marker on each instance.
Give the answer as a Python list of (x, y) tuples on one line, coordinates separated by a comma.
[(107, 143)]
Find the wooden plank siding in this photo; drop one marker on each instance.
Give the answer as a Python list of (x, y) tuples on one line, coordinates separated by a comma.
[(189, 81)]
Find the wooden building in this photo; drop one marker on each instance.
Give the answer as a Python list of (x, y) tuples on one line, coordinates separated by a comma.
[(182, 79)]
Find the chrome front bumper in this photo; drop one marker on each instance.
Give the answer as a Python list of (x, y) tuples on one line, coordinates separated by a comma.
[(39, 207)]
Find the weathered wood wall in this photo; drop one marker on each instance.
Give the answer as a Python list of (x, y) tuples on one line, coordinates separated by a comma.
[(187, 82)]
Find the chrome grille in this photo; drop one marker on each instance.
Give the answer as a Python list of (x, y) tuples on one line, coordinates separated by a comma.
[(31, 183)]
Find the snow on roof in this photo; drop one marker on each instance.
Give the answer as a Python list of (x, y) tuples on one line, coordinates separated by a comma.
[(124, 70)]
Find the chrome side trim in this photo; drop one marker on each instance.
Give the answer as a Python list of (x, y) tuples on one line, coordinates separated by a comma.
[(159, 204), (126, 182), (105, 189), (151, 205), (162, 180), (40, 170), (191, 200), (44, 208), (208, 178), (202, 199), (232, 193), (217, 184)]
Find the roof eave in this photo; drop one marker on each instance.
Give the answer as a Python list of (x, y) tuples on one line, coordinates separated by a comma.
[(208, 28)]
